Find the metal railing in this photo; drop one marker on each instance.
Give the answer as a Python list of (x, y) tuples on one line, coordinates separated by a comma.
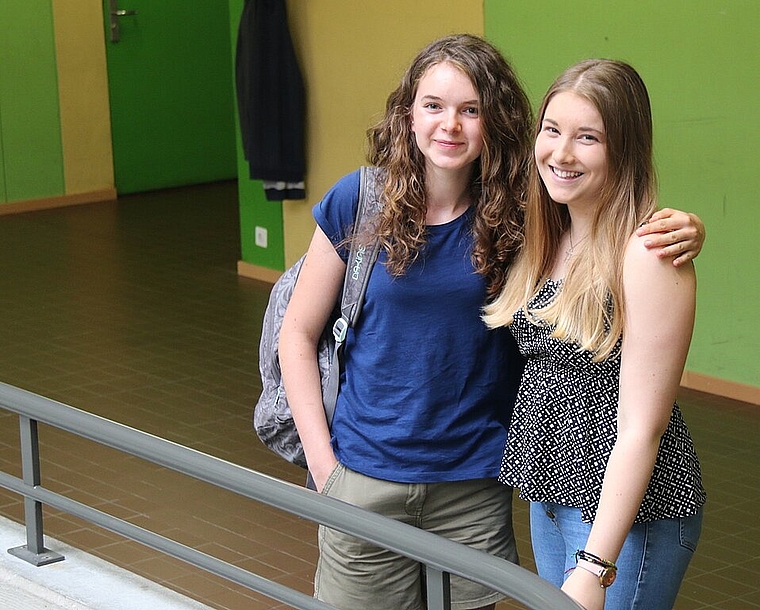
[(441, 557)]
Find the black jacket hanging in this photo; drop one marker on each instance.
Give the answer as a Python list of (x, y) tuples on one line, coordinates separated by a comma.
[(271, 100)]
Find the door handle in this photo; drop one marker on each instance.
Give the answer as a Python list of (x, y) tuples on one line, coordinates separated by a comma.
[(114, 13)]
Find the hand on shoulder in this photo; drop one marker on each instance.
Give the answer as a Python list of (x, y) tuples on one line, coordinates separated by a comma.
[(674, 235)]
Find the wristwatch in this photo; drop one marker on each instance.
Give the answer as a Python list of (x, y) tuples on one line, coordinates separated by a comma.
[(606, 573)]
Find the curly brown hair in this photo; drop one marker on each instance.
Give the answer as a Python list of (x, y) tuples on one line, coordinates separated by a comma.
[(498, 181)]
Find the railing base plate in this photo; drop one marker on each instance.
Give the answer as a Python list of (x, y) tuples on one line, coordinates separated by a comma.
[(37, 559)]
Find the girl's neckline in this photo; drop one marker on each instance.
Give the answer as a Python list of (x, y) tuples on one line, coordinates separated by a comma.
[(466, 212)]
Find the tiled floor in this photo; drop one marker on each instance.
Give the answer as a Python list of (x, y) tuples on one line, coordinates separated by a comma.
[(133, 311)]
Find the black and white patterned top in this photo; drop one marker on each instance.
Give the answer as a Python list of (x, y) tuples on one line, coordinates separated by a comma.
[(565, 425)]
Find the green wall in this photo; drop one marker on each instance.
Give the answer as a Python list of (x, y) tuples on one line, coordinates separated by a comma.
[(30, 129), (701, 61)]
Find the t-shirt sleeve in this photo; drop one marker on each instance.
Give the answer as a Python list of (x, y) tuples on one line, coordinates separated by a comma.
[(335, 213)]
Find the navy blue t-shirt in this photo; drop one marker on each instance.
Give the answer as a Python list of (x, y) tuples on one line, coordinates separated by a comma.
[(428, 390)]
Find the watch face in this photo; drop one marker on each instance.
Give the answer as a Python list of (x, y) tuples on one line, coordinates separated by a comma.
[(607, 576)]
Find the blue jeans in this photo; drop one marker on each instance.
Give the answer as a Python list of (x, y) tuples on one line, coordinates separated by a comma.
[(651, 564)]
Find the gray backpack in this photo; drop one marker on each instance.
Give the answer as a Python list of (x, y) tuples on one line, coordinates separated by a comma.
[(272, 418)]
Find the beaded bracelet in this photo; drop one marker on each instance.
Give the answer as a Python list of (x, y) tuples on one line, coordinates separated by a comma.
[(581, 554)]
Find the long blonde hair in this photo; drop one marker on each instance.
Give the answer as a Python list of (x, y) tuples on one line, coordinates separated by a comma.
[(499, 180), (589, 310)]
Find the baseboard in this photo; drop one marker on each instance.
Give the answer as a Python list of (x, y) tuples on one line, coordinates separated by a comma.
[(721, 387), (46, 203), (254, 272)]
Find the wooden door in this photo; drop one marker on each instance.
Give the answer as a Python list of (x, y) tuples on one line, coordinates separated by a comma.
[(171, 93)]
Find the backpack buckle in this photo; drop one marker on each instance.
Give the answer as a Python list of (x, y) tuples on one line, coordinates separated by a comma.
[(340, 330)]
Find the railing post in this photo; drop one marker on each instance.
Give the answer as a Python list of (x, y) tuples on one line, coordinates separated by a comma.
[(34, 550), (438, 589)]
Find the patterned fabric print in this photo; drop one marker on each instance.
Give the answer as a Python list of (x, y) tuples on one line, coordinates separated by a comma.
[(565, 425)]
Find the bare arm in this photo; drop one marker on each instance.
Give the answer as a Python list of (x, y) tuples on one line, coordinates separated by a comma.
[(660, 302), (674, 233), (314, 297)]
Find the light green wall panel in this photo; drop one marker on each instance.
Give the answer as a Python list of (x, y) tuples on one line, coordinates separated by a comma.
[(701, 61), (29, 116)]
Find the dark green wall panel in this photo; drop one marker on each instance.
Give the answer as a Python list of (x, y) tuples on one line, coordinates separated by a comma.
[(171, 95)]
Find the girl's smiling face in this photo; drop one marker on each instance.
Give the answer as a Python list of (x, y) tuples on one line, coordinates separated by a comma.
[(445, 118), (570, 150)]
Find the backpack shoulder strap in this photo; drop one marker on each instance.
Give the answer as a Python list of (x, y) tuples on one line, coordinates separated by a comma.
[(361, 260), (362, 256)]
